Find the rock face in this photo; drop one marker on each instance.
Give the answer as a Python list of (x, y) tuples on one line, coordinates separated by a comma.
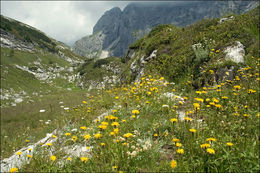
[(10, 41), (115, 30), (235, 52)]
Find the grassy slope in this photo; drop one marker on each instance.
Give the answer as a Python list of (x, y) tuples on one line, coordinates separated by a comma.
[(176, 59), (22, 122), (92, 70), (221, 114)]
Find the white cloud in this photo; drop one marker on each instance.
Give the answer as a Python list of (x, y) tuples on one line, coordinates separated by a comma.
[(66, 21)]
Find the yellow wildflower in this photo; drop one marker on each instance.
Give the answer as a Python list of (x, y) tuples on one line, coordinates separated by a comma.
[(53, 158), (98, 136), (115, 124), (13, 170), (136, 112), (174, 120), (175, 140), (211, 139), (87, 136), (69, 158), (204, 145), (196, 106), (173, 163), (102, 144), (193, 130), (74, 138), (229, 144), (67, 134), (83, 127), (180, 151), (178, 144), (210, 151), (84, 159), (29, 156), (128, 135)]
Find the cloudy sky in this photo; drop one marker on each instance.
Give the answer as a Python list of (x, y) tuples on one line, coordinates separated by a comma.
[(66, 21)]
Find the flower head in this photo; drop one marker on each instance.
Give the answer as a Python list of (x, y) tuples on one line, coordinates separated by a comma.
[(98, 136), (84, 159), (193, 130), (180, 151), (229, 144), (74, 138), (204, 145), (53, 158), (211, 139), (173, 163), (83, 127), (136, 112), (128, 135), (174, 120), (67, 134), (210, 151), (13, 170), (87, 136)]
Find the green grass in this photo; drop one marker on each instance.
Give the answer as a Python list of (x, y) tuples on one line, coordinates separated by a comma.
[(153, 126)]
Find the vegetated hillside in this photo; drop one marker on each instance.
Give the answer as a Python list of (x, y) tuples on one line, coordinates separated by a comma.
[(189, 53), (180, 114), (100, 73), (33, 64)]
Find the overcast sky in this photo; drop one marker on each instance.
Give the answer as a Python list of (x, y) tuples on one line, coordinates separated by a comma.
[(65, 21)]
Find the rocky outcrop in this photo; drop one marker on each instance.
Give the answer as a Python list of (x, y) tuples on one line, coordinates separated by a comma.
[(10, 41), (235, 52), (137, 67), (119, 28)]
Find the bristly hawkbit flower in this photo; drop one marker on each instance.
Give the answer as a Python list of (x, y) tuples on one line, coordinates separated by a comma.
[(175, 140), (173, 163), (102, 144), (210, 151), (193, 130), (53, 158), (84, 102), (174, 120), (84, 159), (29, 156), (67, 134), (229, 144), (74, 138), (13, 170), (178, 144), (250, 91), (211, 139), (204, 145), (98, 136), (18, 153), (115, 124), (196, 106), (87, 136), (136, 112), (187, 119), (83, 127), (180, 151), (128, 135)]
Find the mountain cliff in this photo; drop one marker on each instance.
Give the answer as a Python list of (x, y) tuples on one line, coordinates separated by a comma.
[(117, 29)]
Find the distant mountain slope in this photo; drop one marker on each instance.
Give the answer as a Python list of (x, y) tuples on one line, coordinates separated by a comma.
[(114, 30), (33, 64)]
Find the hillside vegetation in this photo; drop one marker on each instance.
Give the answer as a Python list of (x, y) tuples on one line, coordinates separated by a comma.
[(192, 110)]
